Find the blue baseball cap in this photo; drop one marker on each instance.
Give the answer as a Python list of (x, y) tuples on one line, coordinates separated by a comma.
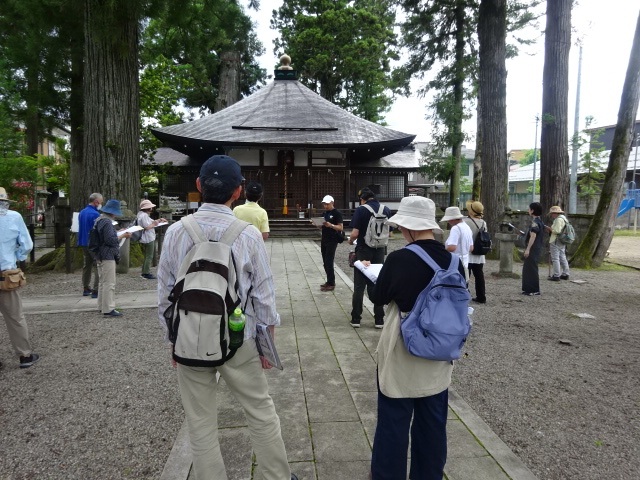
[(223, 168)]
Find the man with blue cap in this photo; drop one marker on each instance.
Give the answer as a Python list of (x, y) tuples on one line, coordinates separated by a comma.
[(221, 184)]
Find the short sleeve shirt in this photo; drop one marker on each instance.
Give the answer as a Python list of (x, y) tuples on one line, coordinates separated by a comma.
[(329, 235)]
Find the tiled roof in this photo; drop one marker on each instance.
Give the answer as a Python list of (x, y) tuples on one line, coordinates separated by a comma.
[(285, 115)]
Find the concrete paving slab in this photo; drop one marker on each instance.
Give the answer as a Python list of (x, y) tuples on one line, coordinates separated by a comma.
[(344, 470), (340, 442)]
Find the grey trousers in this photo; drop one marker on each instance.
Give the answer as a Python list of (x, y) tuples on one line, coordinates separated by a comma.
[(88, 268), (559, 261), (11, 309)]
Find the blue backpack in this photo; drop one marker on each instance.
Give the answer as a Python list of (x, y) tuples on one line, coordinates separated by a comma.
[(438, 325)]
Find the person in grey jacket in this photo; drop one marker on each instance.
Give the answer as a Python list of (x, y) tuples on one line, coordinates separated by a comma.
[(108, 256)]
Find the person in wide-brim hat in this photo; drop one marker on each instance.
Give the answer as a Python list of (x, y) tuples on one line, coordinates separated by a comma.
[(4, 197), (112, 207), (475, 209), (416, 213), (452, 213), (556, 209)]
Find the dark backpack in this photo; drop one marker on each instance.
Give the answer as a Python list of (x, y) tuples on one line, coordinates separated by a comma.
[(438, 325), (95, 239), (204, 296), (377, 234), (137, 235), (568, 234), (482, 243)]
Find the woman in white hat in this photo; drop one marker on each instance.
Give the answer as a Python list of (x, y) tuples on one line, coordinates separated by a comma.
[(148, 238), (409, 386)]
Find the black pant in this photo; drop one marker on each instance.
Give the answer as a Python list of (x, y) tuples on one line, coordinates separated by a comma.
[(374, 255), (328, 251), (477, 270), (530, 276)]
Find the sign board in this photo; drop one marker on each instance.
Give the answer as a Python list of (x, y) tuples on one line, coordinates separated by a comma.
[(193, 197), (178, 207)]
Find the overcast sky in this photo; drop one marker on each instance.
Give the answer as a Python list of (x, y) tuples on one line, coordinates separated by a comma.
[(607, 28)]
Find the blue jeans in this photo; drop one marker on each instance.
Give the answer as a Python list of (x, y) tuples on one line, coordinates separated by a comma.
[(428, 437)]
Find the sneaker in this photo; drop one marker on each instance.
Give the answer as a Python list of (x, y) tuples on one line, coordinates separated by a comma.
[(94, 294), (564, 277), (355, 323), (26, 362), (114, 313), (148, 276), (554, 279), (328, 288), (86, 292), (477, 300), (379, 326), (531, 294)]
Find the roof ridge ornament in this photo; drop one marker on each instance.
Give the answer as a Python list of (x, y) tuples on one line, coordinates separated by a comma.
[(285, 71)]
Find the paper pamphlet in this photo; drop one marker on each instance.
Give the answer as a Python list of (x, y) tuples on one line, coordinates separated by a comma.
[(266, 346), (317, 221), (161, 224), (371, 272), (132, 229)]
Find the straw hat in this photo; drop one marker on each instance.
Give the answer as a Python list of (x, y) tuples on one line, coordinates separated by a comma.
[(452, 213), (555, 209), (416, 213), (4, 196), (475, 209), (145, 204)]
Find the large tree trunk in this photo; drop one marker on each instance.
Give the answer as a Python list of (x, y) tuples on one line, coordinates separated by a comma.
[(111, 162), (32, 117), (457, 137), (229, 90), (492, 32), (476, 188), (554, 139), (78, 194), (594, 246)]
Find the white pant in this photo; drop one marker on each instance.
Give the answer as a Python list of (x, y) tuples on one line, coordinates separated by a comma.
[(559, 258), (245, 378)]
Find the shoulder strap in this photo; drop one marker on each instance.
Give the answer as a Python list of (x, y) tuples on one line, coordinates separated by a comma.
[(474, 222), (453, 265), (369, 208), (381, 210), (233, 231), (193, 229)]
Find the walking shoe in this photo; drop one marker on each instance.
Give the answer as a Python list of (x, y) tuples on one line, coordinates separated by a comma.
[(294, 477), (564, 277), (379, 326), (94, 294), (554, 279), (86, 292), (148, 276), (26, 362), (477, 300), (328, 288), (324, 284), (531, 294), (355, 323), (114, 313)]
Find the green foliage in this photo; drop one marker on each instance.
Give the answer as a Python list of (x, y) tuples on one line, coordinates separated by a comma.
[(537, 187), (342, 50), (529, 157), (186, 38), (591, 166)]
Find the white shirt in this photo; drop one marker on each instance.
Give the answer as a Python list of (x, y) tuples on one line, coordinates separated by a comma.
[(461, 237), (252, 265)]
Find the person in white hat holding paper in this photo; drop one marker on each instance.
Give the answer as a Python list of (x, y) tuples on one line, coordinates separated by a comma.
[(460, 238), (148, 239), (410, 387), (331, 236)]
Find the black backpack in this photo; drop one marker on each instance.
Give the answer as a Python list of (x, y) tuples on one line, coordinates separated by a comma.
[(95, 240), (482, 243)]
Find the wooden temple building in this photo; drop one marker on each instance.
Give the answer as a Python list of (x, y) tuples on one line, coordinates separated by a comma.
[(299, 146)]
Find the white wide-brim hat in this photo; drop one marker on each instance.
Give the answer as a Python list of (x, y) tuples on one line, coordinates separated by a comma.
[(416, 213), (452, 213)]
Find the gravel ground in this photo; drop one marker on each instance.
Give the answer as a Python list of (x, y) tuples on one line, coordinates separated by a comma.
[(102, 403), (562, 392)]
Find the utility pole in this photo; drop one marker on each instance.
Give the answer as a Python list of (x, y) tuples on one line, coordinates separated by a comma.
[(573, 183), (535, 157)]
